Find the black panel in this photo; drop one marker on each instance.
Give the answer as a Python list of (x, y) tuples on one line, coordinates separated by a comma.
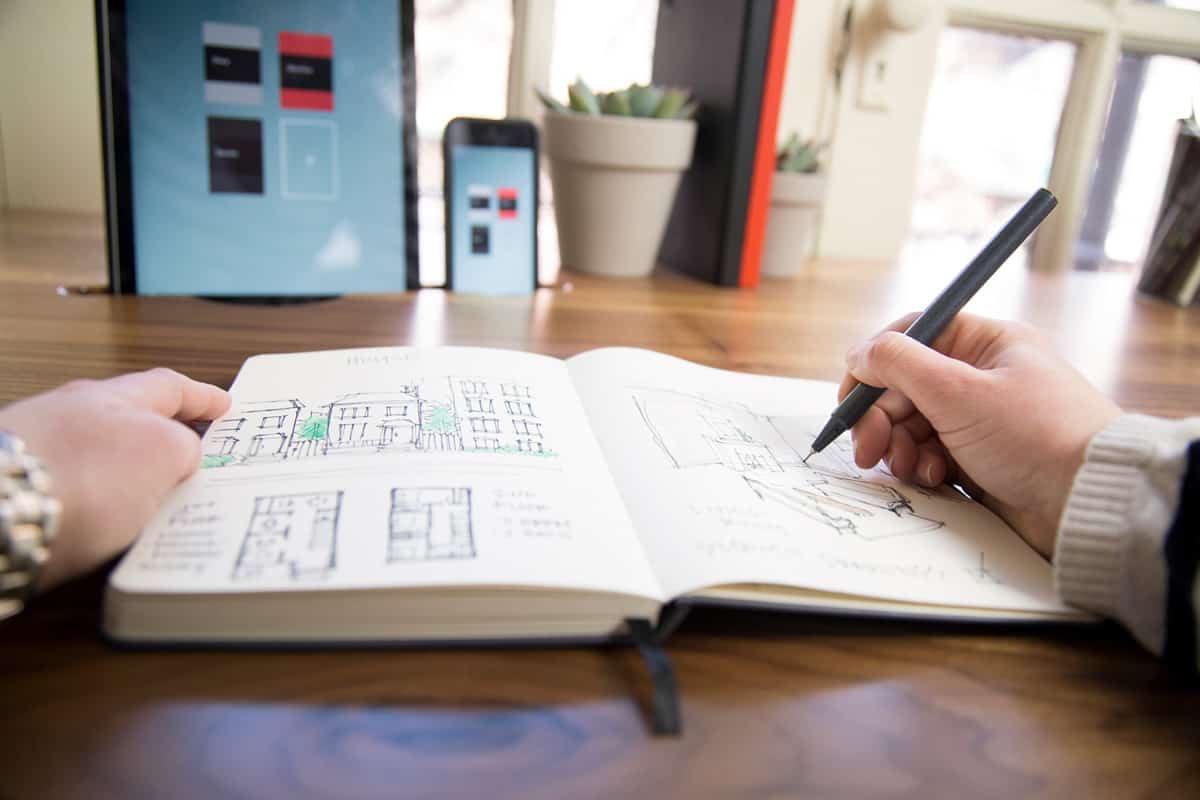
[(305, 72), (480, 240), (235, 155), (231, 64)]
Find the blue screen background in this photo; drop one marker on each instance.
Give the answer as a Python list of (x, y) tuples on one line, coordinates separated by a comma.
[(191, 241), (508, 266)]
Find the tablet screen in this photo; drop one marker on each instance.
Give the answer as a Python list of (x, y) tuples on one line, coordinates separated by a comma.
[(266, 146)]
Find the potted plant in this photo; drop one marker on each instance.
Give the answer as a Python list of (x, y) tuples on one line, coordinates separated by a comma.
[(797, 194), (615, 163)]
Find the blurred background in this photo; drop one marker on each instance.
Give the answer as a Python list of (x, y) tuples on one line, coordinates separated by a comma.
[(968, 111)]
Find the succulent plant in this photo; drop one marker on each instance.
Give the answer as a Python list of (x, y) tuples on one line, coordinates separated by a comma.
[(636, 101), (799, 155)]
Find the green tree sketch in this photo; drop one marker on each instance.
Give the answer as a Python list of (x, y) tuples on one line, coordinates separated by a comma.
[(441, 420), (315, 427)]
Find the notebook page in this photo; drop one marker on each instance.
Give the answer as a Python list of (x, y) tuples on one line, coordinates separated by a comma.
[(395, 467), (709, 465)]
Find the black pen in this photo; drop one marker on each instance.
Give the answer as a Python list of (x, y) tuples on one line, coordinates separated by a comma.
[(937, 315)]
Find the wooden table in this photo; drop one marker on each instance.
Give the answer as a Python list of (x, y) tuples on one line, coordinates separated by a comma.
[(774, 705)]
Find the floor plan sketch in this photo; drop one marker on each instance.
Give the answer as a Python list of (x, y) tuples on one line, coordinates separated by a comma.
[(450, 414), (765, 451), (290, 535), (430, 523)]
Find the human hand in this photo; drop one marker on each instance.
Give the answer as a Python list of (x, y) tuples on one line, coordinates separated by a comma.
[(990, 407), (113, 448)]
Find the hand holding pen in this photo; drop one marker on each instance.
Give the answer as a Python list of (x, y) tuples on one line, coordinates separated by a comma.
[(989, 406), (931, 322)]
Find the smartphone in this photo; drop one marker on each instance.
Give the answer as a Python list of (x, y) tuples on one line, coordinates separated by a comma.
[(491, 181)]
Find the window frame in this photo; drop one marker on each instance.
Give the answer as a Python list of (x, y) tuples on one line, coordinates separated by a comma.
[(1102, 30)]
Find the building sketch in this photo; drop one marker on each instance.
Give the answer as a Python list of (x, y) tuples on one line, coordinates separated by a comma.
[(430, 523), (259, 430), (452, 414), (290, 536), (499, 416), (765, 451), (378, 421)]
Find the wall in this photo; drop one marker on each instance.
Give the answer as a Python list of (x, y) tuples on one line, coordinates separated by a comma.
[(807, 82), (49, 111), (871, 165)]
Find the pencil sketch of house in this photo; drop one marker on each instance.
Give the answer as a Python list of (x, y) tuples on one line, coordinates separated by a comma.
[(259, 430), (499, 416), (434, 415), (379, 421), (694, 431)]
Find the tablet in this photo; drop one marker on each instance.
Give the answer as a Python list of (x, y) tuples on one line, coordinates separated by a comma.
[(258, 147)]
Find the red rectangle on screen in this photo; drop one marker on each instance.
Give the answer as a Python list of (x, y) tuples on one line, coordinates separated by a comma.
[(306, 71), (313, 45), (506, 200), (306, 99)]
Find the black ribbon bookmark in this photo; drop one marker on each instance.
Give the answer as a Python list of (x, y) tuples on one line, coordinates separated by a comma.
[(665, 717)]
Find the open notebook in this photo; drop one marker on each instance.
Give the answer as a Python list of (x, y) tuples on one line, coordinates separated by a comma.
[(420, 494)]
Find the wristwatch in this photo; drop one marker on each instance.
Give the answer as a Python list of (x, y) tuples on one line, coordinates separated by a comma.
[(29, 518)]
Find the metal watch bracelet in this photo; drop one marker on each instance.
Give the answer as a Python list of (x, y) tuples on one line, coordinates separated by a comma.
[(29, 519)]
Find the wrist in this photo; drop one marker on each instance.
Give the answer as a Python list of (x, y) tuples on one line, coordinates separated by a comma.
[(30, 516)]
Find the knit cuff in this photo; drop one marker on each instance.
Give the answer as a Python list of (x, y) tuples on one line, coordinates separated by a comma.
[(1091, 533), (1107, 556)]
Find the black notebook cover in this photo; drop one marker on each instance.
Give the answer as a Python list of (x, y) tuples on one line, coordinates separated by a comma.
[(719, 50)]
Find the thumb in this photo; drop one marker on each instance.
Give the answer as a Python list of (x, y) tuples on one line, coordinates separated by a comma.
[(936, 384)]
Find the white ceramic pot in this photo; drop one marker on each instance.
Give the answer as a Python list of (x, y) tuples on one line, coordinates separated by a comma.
[(796, 200), (614, 181)]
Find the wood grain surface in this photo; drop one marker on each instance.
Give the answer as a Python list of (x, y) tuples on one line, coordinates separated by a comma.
[(774, 705)]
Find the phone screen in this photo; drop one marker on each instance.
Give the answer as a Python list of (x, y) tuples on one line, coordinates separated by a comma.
[(492, 212)]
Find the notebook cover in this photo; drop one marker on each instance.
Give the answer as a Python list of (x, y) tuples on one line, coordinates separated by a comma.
[(719, 50)]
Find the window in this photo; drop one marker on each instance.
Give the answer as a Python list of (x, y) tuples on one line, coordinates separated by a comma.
[(988, 139), (486, 443), (481, 405), (462, 71), (610, 44), (397, 411), (354, 412), (1149, 95), (529, 446), (514, 390), (271, 422), (267, 444), (474, 387), (519, 408), (348, 432), (485, 425), (527, 428), (230, 425)]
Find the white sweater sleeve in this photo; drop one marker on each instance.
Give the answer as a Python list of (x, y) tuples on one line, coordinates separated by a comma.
[(1112, 555)]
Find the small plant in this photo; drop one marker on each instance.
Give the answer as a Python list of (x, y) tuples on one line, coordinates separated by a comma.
[(799, 155), (636, 101)]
